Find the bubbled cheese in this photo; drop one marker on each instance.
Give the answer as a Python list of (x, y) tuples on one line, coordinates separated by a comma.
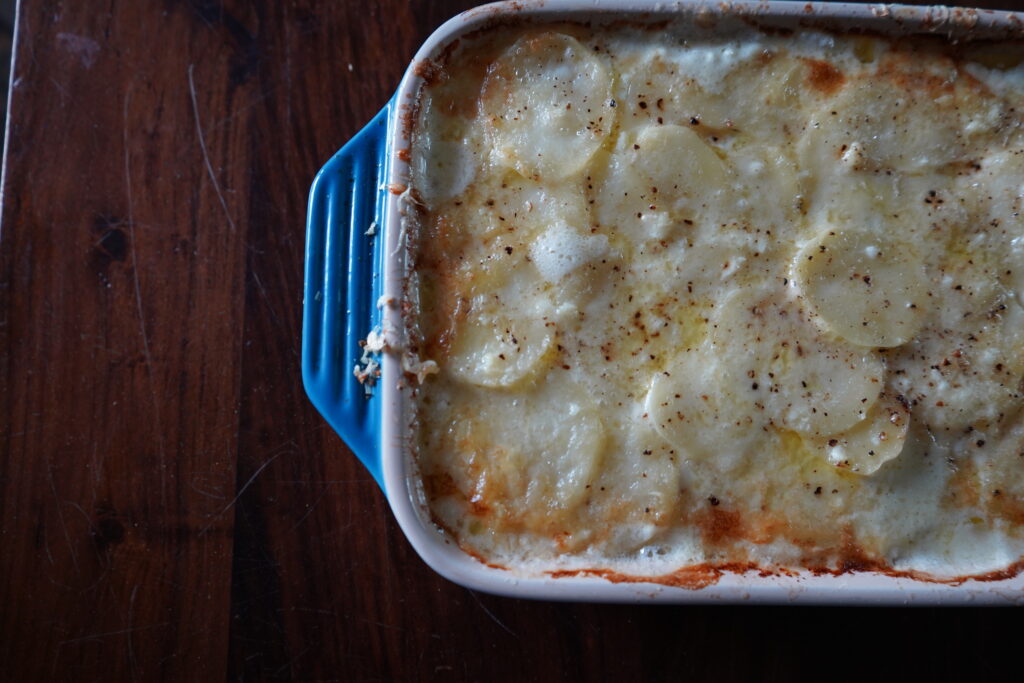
[(560, 250)]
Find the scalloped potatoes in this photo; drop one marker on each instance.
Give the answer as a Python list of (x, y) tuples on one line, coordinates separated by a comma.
[(733, 299)]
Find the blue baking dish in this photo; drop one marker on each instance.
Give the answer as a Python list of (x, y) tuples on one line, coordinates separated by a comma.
[(349, 268), (343, 281)]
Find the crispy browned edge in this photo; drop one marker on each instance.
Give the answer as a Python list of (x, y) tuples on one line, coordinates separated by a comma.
[(703, 575)]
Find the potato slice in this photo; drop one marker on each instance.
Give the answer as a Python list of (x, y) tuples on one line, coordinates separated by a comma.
[(996, 195), (1015, 271), (865, 287), (547, 92), (705, 418), (875, 124), (444, 159), (868, 445), (531, 475), (500, 351), (663, 174), (780, 364), (639, 490), (652, 87), (520, 207), (764, 171), (764, 364)]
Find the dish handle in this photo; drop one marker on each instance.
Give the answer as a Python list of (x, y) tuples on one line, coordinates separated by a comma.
[(343, 281)]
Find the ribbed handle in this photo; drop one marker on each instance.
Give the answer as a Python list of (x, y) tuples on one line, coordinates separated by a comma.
[(344, 272)]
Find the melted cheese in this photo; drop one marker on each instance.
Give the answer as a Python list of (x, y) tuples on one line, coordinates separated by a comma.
[(721, 299), (546, 106)]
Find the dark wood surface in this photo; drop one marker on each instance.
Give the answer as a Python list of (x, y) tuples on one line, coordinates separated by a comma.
[(171, 505)]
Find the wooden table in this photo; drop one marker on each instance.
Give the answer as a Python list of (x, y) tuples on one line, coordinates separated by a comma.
[(171, 506)]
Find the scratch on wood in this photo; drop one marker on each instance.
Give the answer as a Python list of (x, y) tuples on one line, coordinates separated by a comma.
[(488, 612), (310, 610), (131, 648), (107, 634), (266, 299), (310, 509), (216, 495), (97, 467), (46, 546), (60, 516), (310, 482), (288, 664), (288, 71), (242, 490), (241, 110), (64, 95), (202, 146), (138, 303), (393, 627)]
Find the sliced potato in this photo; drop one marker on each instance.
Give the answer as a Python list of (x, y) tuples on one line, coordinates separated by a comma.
[(640, 490), (522, 207), (444, 159), (1014, 272), (500, 351), (547, 92), (871, 443), (780, 364), (865, 286), (678, 100), (664, 174), (763, 364), (704, 417), (866, 200), (530, 475), (874, 124), (776, 97), (690, 89), (653, 491), (996, 196)]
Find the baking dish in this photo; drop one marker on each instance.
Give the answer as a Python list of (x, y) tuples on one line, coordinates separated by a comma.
[(354, 261)]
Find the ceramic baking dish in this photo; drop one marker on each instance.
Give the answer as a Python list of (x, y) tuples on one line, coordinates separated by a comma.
[(354, 258)]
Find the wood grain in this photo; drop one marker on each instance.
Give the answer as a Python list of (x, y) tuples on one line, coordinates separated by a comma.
[(171, 506)]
